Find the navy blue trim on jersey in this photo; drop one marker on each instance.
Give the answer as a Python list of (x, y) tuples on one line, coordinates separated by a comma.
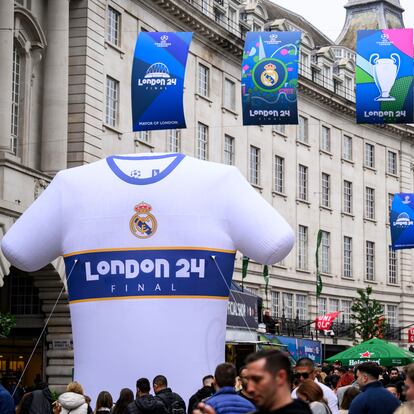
[(143, 181)]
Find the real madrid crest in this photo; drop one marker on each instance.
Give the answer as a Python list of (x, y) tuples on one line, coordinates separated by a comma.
[(269, 76), (143, 224)]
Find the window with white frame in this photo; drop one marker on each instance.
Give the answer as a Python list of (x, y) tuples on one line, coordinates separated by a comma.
[(274, 302), (392, 315), (228, 150), (279, 174), (113, 26), (256, 27), (303, 182), (322, 306), (144, 136), (112, 101), (348, 197), (349, 87), (347, 271), (232, 19), (202, 141), (392, 163), (304, 61), (16, 96), (326, 139), (392, 266), (174, 140), (254, 165), (303, 248), (347, 148), (203, 80), (325, 252), (326, 190), (252, 289), (333, 305), (390, 200), (369, 155), (301, 307), (346, 310), (229, 94), (369, 203), (370, 260), (303, 129), (281, 128), (204, 6), (287, 305)]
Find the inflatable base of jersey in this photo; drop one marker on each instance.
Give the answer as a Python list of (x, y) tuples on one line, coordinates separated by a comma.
[(149, 244)]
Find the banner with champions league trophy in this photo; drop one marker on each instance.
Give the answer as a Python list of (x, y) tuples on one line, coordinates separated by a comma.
[(384, 76), (270, 78), (158, 80)]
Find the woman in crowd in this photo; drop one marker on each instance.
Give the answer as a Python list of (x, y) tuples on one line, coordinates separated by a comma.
[(104, 402), (312, 393), (349, 395), (126, 397), (73, 401)]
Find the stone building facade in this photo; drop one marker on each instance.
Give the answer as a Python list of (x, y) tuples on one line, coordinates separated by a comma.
[(65, 80)]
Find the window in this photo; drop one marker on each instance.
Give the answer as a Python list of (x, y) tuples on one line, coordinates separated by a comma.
[(228, 150), (229, 94), (174, 138), (303, 248), (113, 26), (322, 306), (279, 128), (303, 183), (232, 19), (279, 174), (112, 101), (392, 315), (203, 80), (346, 310), (370, 260), (274, 301), (204, 6), (347, 257), (254, 165), (287, 305), (326, 139), (326, 76), (144, 136), (390, 200), (24, 296), (333, 305), (15, 110), (369, 203), (325, 252), (392, 163), (202, 142), (256, 27), (348, 197), (347, 148), (369, 155), (304, 62), (326, 190), (392, 266), (303, 129), (301, 307)]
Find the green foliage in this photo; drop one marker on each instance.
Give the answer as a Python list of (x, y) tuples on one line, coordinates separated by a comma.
[(55, 395), (368, 316), (7, 322)]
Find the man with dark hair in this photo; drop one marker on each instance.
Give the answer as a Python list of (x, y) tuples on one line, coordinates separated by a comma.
[(38, 401), (171, 400), (202, 393), (243, 379), (145, 403), (226, 400), (374, 398), (305, 369)]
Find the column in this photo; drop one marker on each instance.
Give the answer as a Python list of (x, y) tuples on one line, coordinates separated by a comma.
[(6, 68), (55, 89)]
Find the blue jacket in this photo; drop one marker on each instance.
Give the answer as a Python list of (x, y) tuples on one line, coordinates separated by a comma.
[(6, 401), (374, 399), (227, 401)]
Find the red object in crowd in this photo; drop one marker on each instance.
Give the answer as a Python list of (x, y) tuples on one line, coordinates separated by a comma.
[(324, 322), (346, 379), (411, 336)]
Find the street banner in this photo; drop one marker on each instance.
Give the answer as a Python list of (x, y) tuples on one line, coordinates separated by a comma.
[(402, 221), (384, 76), (411, 335), (242, 310), (158, 80), (270, 78), (324, 322)]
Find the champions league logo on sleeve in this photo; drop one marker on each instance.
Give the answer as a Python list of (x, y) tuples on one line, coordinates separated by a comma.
[(143, 224)]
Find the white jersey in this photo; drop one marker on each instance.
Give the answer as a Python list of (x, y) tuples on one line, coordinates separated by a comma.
[(149, 244)]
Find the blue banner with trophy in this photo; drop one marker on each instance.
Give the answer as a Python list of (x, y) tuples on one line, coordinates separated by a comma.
[(384, 76), (402, 221), (158, 80), (270, 78)]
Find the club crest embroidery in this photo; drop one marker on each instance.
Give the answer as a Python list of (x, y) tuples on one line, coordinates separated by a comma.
[(143, 224)]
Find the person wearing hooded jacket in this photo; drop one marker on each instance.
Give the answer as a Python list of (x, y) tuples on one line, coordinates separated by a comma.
[(202, 393), (73, 400), (145, 403)]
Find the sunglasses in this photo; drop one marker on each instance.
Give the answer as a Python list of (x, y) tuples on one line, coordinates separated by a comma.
[(304, 375)]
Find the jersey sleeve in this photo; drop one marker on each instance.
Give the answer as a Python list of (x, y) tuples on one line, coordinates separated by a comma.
[(256, 228), (36, 238)]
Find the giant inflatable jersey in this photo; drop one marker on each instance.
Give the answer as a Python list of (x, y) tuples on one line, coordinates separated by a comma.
[(150, 243)]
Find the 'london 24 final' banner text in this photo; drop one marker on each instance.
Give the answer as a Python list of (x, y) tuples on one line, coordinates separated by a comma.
[(270, 77), (384, 76), (158, 79)]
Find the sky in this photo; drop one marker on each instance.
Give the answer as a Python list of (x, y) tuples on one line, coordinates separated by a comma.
[(329, 15)]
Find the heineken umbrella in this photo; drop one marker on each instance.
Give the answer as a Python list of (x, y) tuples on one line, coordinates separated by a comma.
[(402, 221), (374, 350)]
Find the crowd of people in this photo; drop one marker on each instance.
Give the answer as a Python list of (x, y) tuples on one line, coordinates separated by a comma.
[(266, 384)]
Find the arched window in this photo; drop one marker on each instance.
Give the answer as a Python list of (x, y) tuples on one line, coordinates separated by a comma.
[(15, 145)]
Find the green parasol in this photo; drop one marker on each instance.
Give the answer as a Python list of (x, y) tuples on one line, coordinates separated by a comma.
[(375, 350)]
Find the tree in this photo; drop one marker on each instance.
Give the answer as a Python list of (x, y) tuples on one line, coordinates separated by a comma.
[(368, 316), (7, 322)]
